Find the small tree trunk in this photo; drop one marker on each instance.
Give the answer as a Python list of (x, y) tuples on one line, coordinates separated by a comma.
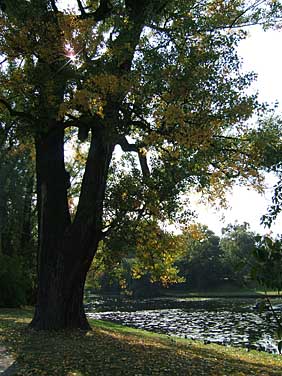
[(26, 235), (3, 206)]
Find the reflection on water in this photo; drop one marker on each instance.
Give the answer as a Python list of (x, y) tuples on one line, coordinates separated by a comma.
[(226, 321)]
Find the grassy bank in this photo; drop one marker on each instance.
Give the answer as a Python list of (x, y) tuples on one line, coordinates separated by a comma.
[(223, 291), (116, 350)]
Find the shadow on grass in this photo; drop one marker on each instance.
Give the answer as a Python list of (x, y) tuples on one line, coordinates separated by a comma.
[(111, 350)]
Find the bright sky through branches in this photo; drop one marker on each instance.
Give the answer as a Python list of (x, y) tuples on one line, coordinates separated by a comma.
[(262, 53)]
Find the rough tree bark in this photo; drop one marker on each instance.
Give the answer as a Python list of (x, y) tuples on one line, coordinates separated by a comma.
[(67, 249)]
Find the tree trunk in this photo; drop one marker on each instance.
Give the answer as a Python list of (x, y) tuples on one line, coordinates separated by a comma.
[(66, 249), (59, 306), (4, 173), (3, 210), (26, 231)]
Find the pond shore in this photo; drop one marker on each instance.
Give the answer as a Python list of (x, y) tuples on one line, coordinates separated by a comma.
[(111, 349), (231, 292)]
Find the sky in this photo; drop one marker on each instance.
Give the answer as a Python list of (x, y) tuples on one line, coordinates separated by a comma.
[(261, 53)]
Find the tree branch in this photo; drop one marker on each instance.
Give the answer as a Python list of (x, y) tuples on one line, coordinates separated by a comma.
[(139, 7), (3, 61), (100, 14), (209, 30), (80, 7), (143, 164), (107, 230), (14, 112), (252, 6), (54, 6), (126, 146)]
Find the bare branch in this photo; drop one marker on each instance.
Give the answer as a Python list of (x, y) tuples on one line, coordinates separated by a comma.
[(126, 146)]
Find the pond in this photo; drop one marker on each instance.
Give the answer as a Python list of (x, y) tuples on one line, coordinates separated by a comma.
[(227, 321)]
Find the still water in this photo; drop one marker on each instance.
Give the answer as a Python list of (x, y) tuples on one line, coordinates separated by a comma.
[(225, 321)]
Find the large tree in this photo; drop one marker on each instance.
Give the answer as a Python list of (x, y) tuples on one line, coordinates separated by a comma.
[(202, 261), (159, 78), (238, 244)]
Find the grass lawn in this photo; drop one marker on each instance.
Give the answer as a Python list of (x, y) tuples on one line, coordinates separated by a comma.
[(111, 349)]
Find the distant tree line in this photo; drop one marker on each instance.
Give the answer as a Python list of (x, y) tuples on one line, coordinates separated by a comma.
[(203, 261)]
